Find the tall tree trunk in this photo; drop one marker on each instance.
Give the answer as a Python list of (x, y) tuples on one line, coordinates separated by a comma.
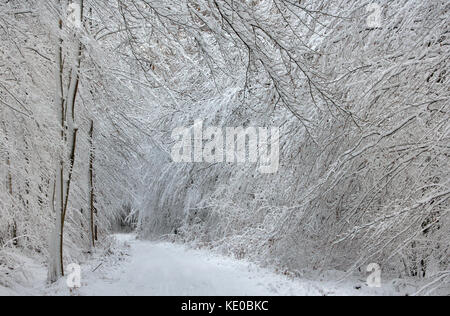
[(56, 265), (69, 133), (70, 117), (91, 184)]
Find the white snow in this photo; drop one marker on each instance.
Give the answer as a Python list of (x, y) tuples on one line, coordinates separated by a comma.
[(157, 268), (169, 269)]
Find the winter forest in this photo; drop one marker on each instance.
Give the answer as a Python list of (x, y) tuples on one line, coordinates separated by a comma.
[(94, 93)]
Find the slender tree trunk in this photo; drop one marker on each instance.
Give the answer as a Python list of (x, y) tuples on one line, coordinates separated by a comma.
[(8, 163), (10, 185), (56, 265), (71, 166), (72, 130), (69, 123), (68, 134), (91, 184)]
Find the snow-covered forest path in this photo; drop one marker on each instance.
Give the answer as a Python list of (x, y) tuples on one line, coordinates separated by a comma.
[(167, 269), (150, 269)]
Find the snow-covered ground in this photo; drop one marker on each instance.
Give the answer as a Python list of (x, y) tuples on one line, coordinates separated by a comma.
[(148, 268)]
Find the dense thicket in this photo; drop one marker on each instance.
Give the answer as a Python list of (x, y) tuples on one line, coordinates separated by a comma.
[(69, 139), (364, 173)]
